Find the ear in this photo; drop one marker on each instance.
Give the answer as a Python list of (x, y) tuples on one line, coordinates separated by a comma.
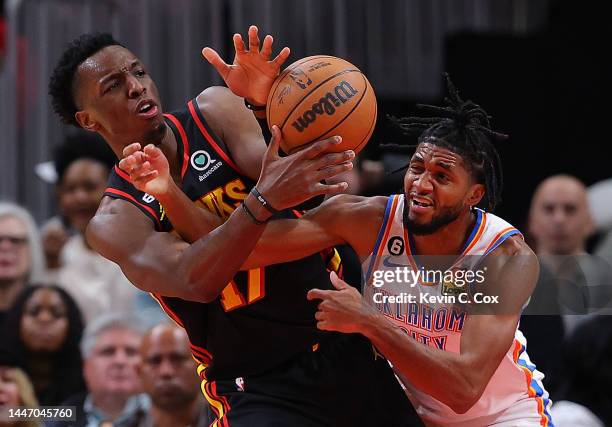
[(475, 195), (87, 122)]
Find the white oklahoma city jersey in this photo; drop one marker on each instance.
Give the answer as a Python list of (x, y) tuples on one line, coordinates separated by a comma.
[(515, 395)]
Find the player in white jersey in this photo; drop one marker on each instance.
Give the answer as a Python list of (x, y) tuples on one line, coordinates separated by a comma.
[(462, 363)]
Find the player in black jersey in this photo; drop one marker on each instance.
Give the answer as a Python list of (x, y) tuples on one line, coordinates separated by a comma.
[(261, 359)]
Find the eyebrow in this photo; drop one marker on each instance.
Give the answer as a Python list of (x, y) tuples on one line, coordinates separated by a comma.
[(114, 75), (445, 165)]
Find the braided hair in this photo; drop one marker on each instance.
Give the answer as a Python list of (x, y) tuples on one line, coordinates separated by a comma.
[(463, 127)]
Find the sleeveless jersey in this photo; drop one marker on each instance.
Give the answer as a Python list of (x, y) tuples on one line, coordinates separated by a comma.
[(515, 392), (262, 317)]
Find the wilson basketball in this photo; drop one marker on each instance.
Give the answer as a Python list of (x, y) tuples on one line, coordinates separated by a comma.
[(321, 96)]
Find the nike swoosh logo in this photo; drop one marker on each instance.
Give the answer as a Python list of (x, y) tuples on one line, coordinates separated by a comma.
[(387, 263)]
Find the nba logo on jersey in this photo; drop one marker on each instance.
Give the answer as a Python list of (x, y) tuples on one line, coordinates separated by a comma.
[(240, 384)]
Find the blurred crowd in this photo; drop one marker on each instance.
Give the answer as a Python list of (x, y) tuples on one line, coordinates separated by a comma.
[(75, 332)]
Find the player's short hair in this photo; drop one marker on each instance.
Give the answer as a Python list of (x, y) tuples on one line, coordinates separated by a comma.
[(82, 145), (61, 84), (463, 127)]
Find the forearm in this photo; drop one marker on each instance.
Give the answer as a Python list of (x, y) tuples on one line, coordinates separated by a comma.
[(286, 240), (422, 365), (189, 221), (210, 263)]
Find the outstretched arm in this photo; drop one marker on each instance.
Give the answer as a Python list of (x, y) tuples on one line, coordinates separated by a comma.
[(512, 272), (344, 218)]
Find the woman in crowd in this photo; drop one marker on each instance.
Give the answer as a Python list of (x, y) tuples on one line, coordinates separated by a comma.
[(15, 389), (21, 256), (44, 328)]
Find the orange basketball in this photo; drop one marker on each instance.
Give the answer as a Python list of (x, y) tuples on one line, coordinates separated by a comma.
[(321, 96)]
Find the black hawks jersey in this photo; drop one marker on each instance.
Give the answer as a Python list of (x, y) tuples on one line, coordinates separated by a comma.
[(262, 317)]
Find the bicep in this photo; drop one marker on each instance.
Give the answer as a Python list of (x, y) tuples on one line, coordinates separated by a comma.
[(148, 258), (493, 316)]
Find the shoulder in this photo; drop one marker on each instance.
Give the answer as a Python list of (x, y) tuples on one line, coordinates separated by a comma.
[(514, 259), (514, 246), (219, 99)]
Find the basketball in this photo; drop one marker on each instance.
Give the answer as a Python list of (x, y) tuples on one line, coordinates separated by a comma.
[(321, 96)]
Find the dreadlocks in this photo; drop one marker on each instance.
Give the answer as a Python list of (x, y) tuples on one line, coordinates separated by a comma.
[(464, 128)]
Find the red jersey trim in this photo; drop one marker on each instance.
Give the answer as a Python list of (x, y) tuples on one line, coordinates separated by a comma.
[(184, 141), (134, 201)]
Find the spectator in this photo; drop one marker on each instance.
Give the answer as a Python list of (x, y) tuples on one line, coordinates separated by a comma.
[(21, 258), (585, 392), (169, 378), (15, 389), (560, 223), (110, 349), (83, 163), (43, 328)]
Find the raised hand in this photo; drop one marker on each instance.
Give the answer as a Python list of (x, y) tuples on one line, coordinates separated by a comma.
[(252, 73), (148, 169), (288, 181)]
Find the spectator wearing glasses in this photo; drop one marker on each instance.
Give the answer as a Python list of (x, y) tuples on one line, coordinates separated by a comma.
[(21, 257)]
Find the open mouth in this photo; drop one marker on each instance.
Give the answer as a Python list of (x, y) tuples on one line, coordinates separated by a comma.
[(147, 109), (421, 202)]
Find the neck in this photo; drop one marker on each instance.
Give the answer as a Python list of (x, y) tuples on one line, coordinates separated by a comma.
[(111, 404), (186, 416), (167, 143), (8, 292), (448, 240), (169, 146)]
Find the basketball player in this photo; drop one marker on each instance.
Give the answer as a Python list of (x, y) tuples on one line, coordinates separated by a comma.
[(462, 363), (262, 361)]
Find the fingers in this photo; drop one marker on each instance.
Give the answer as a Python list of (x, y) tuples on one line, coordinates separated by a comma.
[(331, 159), (324, 326), (152, 151), (330, 189), (337, 282), (215, 60), (131, 149), (272, 151), (266, 49), (332, 171), (239, 44), (253, 39), (132, 162), (314, 294), (281, 57), (145, 177), (320, 147)]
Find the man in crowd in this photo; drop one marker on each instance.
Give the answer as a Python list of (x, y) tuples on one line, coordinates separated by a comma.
[(168, 376), (110, 350)]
